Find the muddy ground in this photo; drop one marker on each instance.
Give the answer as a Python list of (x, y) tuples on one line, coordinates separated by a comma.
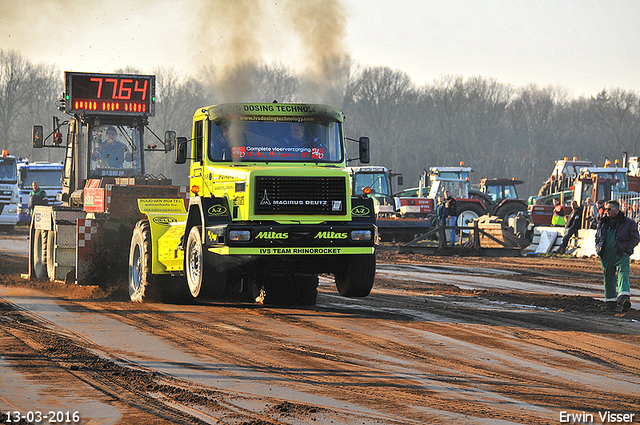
[(415, 351)]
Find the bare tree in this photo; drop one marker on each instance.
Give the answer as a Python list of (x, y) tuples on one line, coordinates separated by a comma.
[(376, 101), (617, 116), (275, 82), (15, 92)]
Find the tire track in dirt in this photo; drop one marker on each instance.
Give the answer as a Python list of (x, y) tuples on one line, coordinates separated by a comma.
[(408, 385), (428, 353)]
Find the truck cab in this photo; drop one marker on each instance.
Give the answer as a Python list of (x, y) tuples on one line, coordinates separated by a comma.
[(49, 178), (378, 182), (8, 191)]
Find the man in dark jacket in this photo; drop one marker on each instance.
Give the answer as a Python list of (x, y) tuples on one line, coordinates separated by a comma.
[(36, 197), (450, 215), (572, 225), (616, 237), (440, 210)]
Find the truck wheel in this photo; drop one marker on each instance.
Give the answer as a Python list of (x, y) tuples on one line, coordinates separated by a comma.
[(39, 247), (510, 210), (306, 290), (467, 213), (175, 290), (143, 285), (202, 279), (51, 265), (288, 290), (355, 279)]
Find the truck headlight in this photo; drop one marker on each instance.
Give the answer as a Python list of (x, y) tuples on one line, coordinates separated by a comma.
[(11, 209), (239, 235), (361, 235)]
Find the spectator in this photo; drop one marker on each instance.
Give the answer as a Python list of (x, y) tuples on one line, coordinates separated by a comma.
[(440, 212), (599, 213), (450, 215), (634, 214), (573, 224), (37, 197), (623, 207), (616, 238), (558, 213), (588, 213)]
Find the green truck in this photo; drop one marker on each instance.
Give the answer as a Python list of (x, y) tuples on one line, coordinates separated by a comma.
[(270, 210)]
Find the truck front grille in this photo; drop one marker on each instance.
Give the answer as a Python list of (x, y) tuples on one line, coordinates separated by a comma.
[(300, 195), (6, 196)]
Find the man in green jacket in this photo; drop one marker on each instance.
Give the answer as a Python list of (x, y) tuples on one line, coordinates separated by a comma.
[(616, 238), (36, 197)]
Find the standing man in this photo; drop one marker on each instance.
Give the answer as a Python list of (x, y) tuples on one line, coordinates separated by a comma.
[(450, 214), (36, 197), (616, 237), (558, 213), (440, 211), (572, 225), (588, 212), (598, 213)]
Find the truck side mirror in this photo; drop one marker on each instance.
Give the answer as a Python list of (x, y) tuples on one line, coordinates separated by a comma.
[(181, 150), (37, 135), (400, 180), (23, 174), (364, 150), (169, 140)]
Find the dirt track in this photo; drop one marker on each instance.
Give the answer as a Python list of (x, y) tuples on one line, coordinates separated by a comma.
[(414, 351)]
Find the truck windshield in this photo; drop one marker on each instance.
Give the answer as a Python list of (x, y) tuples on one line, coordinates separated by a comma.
[(621, 186), (376, 181), (454, 174), (306, 140), (45, 178), (457, 188), (115, 151), (507, 191), (8, 170)]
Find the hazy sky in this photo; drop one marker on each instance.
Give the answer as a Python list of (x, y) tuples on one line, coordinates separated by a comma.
[(584, 46)]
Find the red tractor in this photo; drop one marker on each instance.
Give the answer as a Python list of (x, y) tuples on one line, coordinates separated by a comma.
[(494, 196)]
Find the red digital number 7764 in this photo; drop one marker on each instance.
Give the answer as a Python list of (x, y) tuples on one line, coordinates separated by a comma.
[(119, 89)]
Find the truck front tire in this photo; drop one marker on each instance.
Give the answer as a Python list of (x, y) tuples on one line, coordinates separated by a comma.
[(203, 280), (355, 278), (143, 285), (288, 290), (39, 253), (50, 254)]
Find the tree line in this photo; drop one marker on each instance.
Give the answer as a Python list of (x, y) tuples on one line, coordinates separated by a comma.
[(497, 129)]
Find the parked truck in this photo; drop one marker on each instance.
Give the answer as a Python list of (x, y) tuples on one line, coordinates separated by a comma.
[(8, 192), (378, 183), (49, 178)]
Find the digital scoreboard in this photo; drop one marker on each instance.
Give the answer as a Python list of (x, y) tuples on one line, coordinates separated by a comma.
[(112, 94)]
